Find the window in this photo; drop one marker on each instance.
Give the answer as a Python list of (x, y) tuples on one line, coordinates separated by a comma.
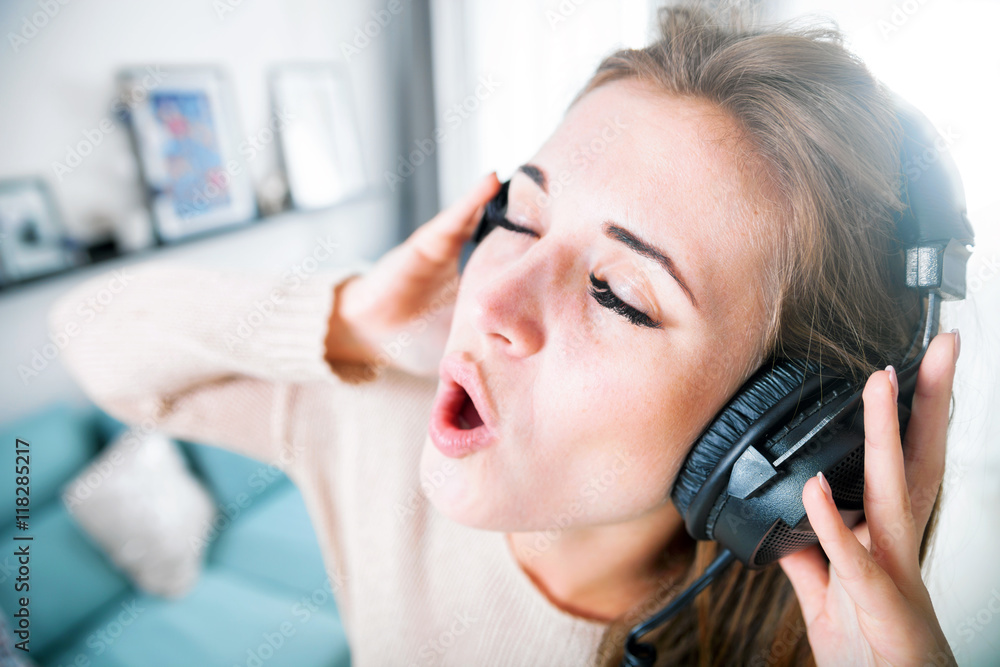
[(505, 73)]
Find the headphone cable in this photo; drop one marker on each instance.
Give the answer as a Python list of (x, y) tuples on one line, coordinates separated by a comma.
[(638, 654)]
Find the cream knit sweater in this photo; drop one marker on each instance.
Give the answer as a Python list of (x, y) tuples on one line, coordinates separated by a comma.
[(236, 360)]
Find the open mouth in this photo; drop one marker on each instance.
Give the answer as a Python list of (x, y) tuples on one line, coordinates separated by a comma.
[(458, 427), (467, 416)]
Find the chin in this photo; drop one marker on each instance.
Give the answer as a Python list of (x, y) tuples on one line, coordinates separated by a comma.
[(454, 487)]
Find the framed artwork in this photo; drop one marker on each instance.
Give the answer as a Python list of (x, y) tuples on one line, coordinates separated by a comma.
[(32, 239), (185, 136), (320, 144)]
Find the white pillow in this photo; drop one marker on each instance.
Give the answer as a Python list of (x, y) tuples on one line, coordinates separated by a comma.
[(151, 516)]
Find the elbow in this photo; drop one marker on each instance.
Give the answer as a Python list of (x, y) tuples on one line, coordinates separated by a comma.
[(99, 348)]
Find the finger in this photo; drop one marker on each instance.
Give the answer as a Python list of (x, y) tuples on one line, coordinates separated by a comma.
[(440, 239), (926, 433), (886, 498), (863, 579), (861, 532), (810, 576)]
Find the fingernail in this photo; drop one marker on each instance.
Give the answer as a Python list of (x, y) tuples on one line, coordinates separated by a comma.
[(958, 344), (825, 485), (894, 381)]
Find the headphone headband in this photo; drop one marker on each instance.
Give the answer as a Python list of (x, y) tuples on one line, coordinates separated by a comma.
[(934, 227)]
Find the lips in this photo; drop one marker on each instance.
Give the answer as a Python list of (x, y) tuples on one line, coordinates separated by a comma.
[(462, 418)]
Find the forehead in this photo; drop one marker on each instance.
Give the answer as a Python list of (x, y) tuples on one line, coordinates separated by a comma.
[(667, 168)]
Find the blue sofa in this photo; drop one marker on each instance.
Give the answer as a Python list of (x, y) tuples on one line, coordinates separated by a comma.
[(262, 600)]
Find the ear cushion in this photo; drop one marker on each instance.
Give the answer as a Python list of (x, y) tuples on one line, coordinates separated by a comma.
[(494, 211), (766, 387)]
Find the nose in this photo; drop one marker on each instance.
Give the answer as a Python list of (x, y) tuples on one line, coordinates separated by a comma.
[(507, 309)]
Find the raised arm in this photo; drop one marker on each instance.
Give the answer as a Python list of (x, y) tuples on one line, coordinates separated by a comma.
[(208, 356), (220, 357)]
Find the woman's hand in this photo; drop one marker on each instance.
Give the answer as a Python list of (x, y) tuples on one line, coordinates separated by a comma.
[(868, 605), (399, 312)]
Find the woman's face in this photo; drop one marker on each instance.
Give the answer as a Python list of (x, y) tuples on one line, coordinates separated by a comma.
[(594, 408)]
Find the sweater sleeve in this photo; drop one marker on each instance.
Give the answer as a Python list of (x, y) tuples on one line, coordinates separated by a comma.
[(214, 357)]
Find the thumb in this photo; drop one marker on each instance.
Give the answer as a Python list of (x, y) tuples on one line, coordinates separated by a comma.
[(440, 239)]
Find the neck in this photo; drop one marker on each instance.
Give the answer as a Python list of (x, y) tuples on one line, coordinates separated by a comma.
[(601, 572)]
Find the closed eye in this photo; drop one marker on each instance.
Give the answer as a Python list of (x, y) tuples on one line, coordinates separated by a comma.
[(603, 295), (507, 224), (600, 289)]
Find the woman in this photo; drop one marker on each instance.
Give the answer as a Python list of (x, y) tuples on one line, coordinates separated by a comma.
[(721, 195)]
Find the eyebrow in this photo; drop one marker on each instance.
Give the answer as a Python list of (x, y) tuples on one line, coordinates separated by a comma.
[(535, 174), (616, 232)]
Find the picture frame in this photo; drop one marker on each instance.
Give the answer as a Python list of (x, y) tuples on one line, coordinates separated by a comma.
[(184, 133), (32, 237), (320, 144)]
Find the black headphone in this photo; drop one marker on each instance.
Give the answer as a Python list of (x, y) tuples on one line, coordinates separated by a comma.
[(741, 483)]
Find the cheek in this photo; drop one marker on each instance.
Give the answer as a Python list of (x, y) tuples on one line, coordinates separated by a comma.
[(623, 440)]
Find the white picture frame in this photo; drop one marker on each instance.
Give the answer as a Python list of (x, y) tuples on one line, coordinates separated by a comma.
[(185, 136), (321, 148), (32, 239)]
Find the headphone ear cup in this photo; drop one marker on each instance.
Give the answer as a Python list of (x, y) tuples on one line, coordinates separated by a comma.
[(495, 211), (766, 524), (772, 382)]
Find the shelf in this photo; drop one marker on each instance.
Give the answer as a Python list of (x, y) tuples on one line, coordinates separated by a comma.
[(365, 227)]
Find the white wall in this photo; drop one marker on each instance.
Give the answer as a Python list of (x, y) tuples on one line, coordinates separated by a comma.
[(60, 82)]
